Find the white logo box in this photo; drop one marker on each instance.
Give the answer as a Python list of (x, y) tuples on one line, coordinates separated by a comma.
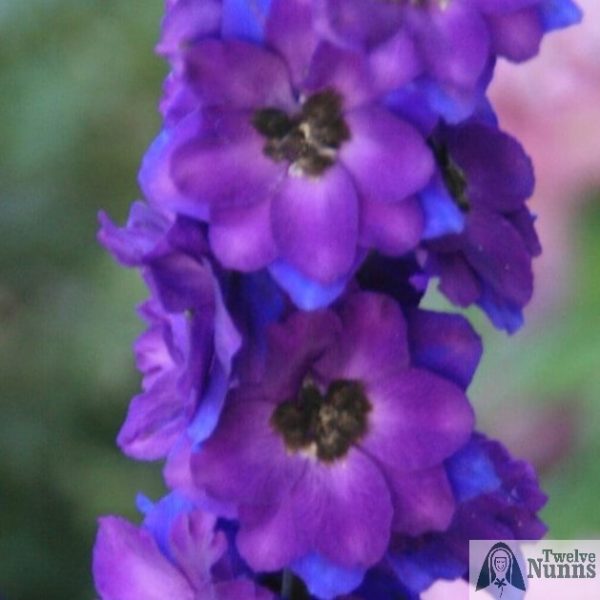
[(546, 569)]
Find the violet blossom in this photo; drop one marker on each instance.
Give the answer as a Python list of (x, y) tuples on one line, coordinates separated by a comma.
[(338, 439), (320, 162)]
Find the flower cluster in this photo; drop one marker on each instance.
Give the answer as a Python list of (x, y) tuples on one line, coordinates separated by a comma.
[(321, 162)]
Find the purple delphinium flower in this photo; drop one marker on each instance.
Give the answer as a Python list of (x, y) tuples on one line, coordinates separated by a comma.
[(186, 354), (488, 176), (454, 42), (310, 173), (177, 554), (336, 443), (497, 497)]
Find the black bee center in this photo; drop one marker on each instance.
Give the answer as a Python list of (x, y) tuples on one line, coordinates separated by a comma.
[(309, 140), (454, 177), (326, 424)]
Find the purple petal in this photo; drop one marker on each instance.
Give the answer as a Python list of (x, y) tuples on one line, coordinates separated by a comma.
[(241, 589), (220, 161), (392, 228), (344, 22), (274, 535), (342, 511), (523, 221), (237, 76), (155, 176), (395, 63), (187, 21), (128, 565), (181, 283), (454, 42), (227, 343), (517, 36), (458, 281), (152, 353), (155, 419), (177, 100), (178, 475), (355, 507), (372, 343), (499, 174), (241, 237), (195, 546), (245, 460), (315, 224), (445, 344), (290, 32), (347, 72), (294, 345), (418, 419), (386, 156), (423, 501), (130, 244), (497, 252)]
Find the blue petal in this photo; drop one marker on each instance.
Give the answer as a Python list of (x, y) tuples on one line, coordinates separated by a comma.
[(557, 14), (305, 293), (245, 19), (324, 579), (210, 407), (471, 472), (419, 569), (503, 315), (159, 517), (442, 216), (452, 109)]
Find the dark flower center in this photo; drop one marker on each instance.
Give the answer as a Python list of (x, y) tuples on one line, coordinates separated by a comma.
[(309, 140), (326, 425), (454, 177)]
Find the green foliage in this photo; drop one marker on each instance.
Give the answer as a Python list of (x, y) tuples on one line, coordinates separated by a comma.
[(80, 85)]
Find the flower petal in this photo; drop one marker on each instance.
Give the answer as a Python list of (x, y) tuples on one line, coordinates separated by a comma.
[(445, 344), (128, 565), (241, 237), (219, 160), (245, 461), (237, 75), (387, 157), (290, 32), (315, 224), (392, 228), (423, 501), (418, 419), (372, 343)]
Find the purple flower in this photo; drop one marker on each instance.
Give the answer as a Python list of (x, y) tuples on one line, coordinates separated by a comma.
[(337, 443), (310, 173), (175, 555), (186, 354), (488, 176), (497, 497), (454, 44)]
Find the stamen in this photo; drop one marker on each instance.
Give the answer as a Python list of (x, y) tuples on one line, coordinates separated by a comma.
[(309, 140), (323, 425)]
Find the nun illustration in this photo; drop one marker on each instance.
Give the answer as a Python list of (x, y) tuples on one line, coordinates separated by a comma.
[(501, 575)]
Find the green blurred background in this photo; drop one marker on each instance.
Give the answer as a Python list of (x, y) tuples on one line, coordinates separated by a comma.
[(79, 88)]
